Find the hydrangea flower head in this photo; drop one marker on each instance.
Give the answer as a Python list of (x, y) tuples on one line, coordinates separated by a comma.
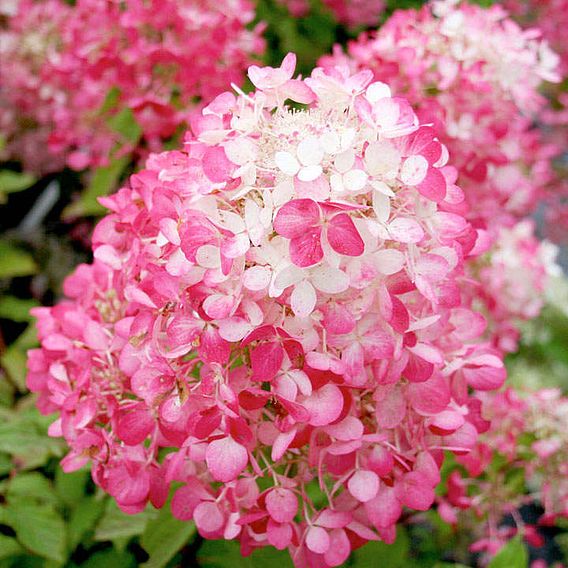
[(280, 305)]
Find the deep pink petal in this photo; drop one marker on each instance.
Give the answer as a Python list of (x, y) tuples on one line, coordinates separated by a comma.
[(343, 236), (306, 250)]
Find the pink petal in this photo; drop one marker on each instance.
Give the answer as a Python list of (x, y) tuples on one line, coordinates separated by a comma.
[(135, 426), (279, 535), (429, 397), (306, 249), (385, 509), (363, 485), (282, 505), (406, 230), (208, 518), (343, 236), (266, 361), (339, 548), (225, 459), (317, 540), (415, 491), (446, 422), (324, 405), (433, 186), (216, 165), (391, 408), (295, 217)]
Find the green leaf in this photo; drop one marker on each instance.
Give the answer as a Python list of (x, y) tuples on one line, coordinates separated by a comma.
[(70, 487), (115, 524), (124, 122), (16, 309), (392, 555), (31, 487), (83, 519), (513, 555), (227, 554), (103, 181), (9, 546), (15, 262), (164, 537), (11, 182), (111, 100), (38, 528), (110, 558)]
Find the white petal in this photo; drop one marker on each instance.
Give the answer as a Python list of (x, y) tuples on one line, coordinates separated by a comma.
[(257, 278), (330, 141), (389, 261), (414, 170), (310, 152), (383, 188), (381, 206), (381, 158), (231, 221), (336, 182), (288, 276), (347, 138), (377, 91), (283, 193), (208, 256), (344, 161), (287, 163), (330, 280), (234, 329), (303, 299), (310, 173), (355, 180)]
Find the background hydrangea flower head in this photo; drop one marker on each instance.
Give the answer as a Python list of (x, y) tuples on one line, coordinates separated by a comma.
[(100, 58), (478, 73), (281, 305)]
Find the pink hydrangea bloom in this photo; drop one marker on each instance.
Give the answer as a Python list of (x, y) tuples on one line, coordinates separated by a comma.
[(478, 73), (157, 59), (280, 304), (522, 458)]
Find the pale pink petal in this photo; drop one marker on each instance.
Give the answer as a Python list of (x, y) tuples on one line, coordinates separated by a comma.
[(281, 504), (324, 405), (363, 485), (406, 230), (317, 540), (225, 459), (295, 217), (208, 517), (303, 299)]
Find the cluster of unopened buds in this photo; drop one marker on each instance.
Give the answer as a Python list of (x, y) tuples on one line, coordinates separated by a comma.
[(71, 72), (274, 319), (527, 442), (477, 73)]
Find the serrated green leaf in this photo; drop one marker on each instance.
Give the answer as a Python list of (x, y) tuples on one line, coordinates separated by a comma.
[(15, 261), (513, 555), (163, 537), (115, 524), (16, 309), (83, 519), (38, 528)]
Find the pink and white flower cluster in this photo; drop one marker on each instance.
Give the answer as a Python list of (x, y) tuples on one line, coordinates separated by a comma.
[(351, 13), (274, 319), (156, 58), (527, 441), (478, 73)]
